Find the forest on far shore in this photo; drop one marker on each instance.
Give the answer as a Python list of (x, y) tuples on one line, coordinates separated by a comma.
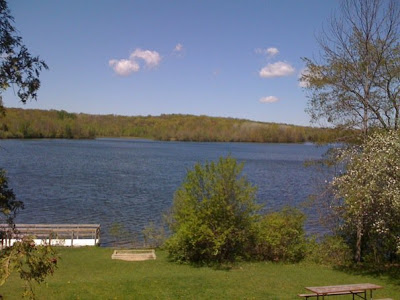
[(34, 123)]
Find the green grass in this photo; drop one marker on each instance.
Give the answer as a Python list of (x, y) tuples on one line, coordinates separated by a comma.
[(89, 273)]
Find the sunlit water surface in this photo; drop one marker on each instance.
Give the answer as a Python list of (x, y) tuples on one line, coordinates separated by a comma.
[(132, 182)]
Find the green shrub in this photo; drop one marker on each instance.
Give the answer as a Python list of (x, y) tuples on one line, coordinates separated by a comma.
[(280, 236), (154, 235), (119, 234), (213, 214), (331, 250)]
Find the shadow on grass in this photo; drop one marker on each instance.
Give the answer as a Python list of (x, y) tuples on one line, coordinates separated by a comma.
[(390, 272), (218, 266)]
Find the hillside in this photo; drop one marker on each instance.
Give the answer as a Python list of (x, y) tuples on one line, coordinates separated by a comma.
[(28, 123)]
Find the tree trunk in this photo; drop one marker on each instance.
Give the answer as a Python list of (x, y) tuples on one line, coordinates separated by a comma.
[(365, 122), (358, 241)]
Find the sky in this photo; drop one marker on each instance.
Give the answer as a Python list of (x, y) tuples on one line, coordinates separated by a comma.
[(236, 58)]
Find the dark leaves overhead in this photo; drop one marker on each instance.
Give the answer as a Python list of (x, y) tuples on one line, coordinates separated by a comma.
[(18, 68)]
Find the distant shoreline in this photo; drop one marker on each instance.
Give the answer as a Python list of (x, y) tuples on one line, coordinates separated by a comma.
[(32, 123)]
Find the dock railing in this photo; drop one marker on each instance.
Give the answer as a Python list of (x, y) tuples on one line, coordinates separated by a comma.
[(52, 234)]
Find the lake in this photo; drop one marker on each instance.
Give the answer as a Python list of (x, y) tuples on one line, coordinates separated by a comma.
[(132, 182)]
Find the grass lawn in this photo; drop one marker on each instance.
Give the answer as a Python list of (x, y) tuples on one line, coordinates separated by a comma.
[(89, 273)]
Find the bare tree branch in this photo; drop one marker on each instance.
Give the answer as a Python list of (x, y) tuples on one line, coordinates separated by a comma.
[(357, 82)]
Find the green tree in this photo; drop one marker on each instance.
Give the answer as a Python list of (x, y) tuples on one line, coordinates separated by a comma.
[(18, 68), (213, 214), (9, 206), (355, 83), (369, 198)]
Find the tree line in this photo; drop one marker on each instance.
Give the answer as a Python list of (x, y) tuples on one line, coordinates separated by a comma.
[(32, 123)]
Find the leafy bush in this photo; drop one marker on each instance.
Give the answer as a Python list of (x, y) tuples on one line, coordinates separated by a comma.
[(154, 235), (280, 236), (9, 206), (33, 263), (120, 234), (331, 250), (213, 214), (368, 198)]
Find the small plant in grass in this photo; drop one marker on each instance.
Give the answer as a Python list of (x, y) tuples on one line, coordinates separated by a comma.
[(119, 234), (154, 236), (33, 263)]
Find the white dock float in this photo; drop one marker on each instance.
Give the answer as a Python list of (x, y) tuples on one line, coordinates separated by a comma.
[(72, 235)]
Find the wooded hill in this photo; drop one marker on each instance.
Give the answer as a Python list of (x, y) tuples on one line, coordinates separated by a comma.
[(28, 123)]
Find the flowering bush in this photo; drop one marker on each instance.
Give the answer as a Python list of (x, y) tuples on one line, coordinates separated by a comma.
[(369, 197)]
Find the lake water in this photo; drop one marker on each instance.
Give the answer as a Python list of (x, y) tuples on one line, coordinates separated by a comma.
[(132, 182)]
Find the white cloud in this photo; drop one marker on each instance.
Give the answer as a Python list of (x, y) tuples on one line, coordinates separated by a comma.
[(151, 58), (270, 52), (123, 67), (178, 47), (278, 69), (269, 99)]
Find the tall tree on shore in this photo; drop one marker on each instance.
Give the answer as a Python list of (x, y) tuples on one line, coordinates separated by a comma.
[(19, 69), (355, 83)]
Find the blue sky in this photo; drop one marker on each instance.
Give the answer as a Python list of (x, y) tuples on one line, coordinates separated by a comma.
[(233, 58)]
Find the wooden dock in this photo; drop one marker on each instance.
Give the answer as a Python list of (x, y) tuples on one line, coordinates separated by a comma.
[(73, 235)]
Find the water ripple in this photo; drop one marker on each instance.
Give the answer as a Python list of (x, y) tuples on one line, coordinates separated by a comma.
[(132, 182)]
